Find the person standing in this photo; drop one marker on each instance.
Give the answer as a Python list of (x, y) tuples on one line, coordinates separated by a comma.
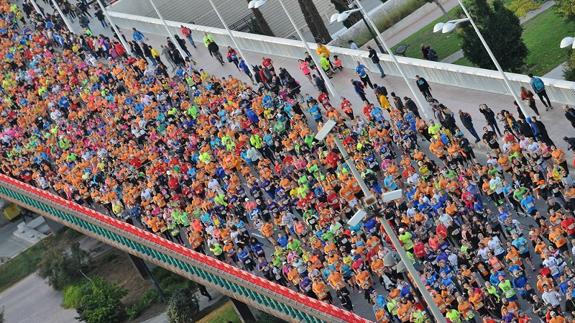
[(352, 45), (411, 106), (182, 44), (375, 60), (570, 115), (539, 88), (527, 95), (543, 134), (187, 32), (467, 122), (489, 117), (320, 84), (101, 17), (360, 70), (137, 36), (359, 88), (423, 87)]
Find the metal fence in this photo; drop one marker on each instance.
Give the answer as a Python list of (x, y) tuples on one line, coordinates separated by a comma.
[(267, 296)]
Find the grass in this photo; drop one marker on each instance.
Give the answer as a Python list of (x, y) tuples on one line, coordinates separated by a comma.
[(444, 44), (27, 262), (390, 18), (223, 314), (22, 265), (542, 36)]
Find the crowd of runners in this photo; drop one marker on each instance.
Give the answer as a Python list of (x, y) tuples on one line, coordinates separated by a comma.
[(234, 169)]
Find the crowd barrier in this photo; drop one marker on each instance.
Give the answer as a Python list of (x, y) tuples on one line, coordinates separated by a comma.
[(479, 79), (260, 293)]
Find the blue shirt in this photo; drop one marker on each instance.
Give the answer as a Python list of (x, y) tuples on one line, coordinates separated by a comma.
[(528, 202), (537, 84), (360, 70), (137, 35)]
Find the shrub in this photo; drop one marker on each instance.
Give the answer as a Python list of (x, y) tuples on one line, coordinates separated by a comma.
[(62, 268), (72, 296), (522, 7), (183, 306), (100, 302), (569, 70), (149, 297)]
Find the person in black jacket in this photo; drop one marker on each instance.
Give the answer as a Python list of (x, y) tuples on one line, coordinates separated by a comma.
[(570, 115), (423, 87), (489, 117), (467, 122), (375, 60), (411, 106), (543, 134)]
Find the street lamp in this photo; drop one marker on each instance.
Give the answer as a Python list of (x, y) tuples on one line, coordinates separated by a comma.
[(320, 136), (114, 27), (393, 58), (450, 26), (255, 4), (447, 27), (168, 29), (232, 37), (568, 41), (64, 18), (342, 16)]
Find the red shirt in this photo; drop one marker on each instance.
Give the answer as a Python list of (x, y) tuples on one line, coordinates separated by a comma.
[(568, 225)]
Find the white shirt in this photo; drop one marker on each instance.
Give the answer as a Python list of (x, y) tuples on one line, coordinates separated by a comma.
[(552, 298)]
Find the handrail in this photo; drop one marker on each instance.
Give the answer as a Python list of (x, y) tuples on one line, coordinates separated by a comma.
[(233, 275), (436, 72)]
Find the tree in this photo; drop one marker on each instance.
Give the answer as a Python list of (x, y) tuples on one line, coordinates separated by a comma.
[(314, 21), (566, 8), (569, 70), (502, 32), (100, 302), (183, 306), (62, 268), (341, 6), (261, 23)]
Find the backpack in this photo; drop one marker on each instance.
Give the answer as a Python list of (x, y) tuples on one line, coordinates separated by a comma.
[(537, 84)]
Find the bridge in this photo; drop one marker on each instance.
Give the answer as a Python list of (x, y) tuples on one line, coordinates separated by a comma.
[(260, 293)]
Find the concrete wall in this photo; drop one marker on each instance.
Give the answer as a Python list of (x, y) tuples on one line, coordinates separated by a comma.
[(436, 72)]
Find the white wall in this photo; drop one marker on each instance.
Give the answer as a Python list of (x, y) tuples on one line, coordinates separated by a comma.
[(447, 74)]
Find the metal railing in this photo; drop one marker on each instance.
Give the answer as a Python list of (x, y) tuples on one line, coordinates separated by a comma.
[(260, 293), (436, 72)]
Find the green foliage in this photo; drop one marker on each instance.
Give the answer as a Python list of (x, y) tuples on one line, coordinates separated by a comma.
[(22, 265), (390, 18), (183, 306), (569, 71), (502, 32), (566, 8), (100, 302), (542, 36), (170, 282), (72, 296), (62, 268), (149, 297), (522, 7)]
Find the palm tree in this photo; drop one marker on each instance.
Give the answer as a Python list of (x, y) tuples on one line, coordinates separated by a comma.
[(314, 21), (262, 23)]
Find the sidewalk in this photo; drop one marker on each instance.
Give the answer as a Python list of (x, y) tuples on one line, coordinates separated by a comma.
[(413, 23)]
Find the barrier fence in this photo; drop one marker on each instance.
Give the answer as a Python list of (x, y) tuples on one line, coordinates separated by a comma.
[(559, 91), (260, 293)]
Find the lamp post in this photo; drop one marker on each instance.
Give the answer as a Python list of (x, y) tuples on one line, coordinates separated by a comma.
[(342, 16), (120, 37), (424, 108), (232, 37), (64, 18), (322, 134), (450, 26), (255, 4), (35, 5), (568, 41), (168, 30)]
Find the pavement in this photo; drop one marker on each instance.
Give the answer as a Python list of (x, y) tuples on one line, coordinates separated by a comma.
[(32, 300), (528, 16), (10, 245), (455, 98), (557, 72)]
